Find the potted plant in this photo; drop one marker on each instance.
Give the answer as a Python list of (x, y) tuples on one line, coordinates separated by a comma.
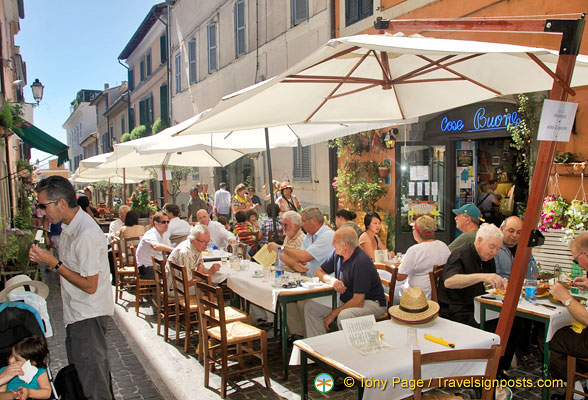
[(24, 169), (383, 169), (140, 201)]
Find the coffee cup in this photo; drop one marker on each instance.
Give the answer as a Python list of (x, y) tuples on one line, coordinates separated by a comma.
[(258, 273)]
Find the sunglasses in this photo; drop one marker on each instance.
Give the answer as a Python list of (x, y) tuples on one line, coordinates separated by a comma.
[(163, 222), (43, 206)]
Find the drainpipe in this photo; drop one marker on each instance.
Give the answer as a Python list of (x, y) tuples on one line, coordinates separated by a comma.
[(167, 63)]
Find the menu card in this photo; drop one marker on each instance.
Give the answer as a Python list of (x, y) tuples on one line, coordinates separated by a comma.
[(362, 335), (265, 257)]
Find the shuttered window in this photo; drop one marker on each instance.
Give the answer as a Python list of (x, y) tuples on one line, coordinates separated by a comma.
[(192, 61), (178, 72), (163, 95), (146, 111), (148, 63), (131, 79), (211, 45), (356, 10), (163, 48), (142, 70), (299, 11), (240, 28), (301, 163)]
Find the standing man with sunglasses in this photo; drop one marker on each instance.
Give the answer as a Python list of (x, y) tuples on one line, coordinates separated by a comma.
[(571, 340), (85, 284), (152, 243)]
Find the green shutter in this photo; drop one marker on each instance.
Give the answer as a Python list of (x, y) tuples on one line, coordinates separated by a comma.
[(163, 48), (164, 103)]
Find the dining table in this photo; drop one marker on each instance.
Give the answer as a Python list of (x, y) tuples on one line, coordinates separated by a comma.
[(552, 314), (261, 289), (394, 365)]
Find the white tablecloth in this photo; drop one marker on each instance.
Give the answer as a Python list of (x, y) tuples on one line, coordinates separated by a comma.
[(397, 363), (558, 318), (256, 290)]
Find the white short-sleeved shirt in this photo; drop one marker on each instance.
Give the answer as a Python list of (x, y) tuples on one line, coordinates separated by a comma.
[(419, 261), (114, 227), (219, 235), (319, 246), (144, 249), (222, 201), (177, 226), (84, 250)]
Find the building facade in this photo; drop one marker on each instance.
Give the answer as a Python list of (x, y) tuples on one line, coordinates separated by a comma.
[(217, 48)]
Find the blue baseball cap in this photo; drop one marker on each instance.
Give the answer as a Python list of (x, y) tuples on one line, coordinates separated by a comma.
[(468, 209)]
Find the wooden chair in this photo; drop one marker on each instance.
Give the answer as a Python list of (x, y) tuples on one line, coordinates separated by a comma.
[(177, 239), (124, 276), (281, 236), (390, 284), (231, 339), (250, 238), (186, 305), (143, 287), (434, 279), (492, 355), (573, 376), (166, 306)]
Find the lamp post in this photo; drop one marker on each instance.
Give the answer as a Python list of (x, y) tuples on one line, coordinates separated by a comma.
[(37, 88)]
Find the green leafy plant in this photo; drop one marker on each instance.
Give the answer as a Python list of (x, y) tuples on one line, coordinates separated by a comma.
[(139, 132), (179, 175), (140, 201), (568, 157), (368, 194), (159, 125), (125, 137)]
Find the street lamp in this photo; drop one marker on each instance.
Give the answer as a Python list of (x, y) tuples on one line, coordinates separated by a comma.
[(37, 88)]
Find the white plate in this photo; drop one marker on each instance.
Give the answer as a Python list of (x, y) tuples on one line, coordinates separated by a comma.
[(257, 276)]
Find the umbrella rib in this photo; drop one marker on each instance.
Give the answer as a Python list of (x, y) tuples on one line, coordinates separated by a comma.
[(354, 91), (337, 55), (462, 76), (422, 70), (549, 72), (352, 70), (328, 79)]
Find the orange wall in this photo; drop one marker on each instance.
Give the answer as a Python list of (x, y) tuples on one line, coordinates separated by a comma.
[(501, 8)]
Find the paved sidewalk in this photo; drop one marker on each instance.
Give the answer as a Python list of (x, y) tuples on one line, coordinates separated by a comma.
[(130, 380)]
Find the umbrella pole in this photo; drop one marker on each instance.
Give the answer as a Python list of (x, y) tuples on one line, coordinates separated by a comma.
[(124, 186), (164, 183), (270, 183)]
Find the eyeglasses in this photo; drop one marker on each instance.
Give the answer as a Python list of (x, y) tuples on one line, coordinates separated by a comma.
[(202, 241), (163, 222), (43, 206), (578, 256)]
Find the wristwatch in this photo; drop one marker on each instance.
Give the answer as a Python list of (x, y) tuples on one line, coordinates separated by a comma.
[(568, 302), (59, 264)]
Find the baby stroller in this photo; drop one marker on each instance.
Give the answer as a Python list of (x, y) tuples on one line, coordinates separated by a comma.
[(18, 321)]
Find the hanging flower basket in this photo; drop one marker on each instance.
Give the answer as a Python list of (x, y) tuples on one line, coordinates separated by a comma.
[(384, 172)]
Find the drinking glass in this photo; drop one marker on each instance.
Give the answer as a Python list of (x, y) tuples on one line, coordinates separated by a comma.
[(411, 338)]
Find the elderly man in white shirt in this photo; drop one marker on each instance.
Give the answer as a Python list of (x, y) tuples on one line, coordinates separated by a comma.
[(219, 235), (117, 224), (152, 243)]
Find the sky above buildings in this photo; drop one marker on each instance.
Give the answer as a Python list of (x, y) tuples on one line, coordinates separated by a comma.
[(71, 45)]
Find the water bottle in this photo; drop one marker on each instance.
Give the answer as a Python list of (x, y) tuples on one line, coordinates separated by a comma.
[(576, 273), (532, 270), (279, 267), (531, 282)]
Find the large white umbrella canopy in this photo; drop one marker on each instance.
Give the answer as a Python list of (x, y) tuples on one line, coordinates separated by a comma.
[(88, 171), (84, 178), (383, 78)]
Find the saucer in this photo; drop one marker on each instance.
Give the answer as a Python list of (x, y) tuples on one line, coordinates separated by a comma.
[(257, 276)]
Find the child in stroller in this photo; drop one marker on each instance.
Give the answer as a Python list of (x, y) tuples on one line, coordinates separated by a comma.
[(29, 353)]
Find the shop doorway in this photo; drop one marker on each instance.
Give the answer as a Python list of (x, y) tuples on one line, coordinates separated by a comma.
[(423, 188)]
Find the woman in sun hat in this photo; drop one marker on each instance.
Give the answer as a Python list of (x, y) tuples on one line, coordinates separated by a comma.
[(421, 257), (414, 308), (287, 201)]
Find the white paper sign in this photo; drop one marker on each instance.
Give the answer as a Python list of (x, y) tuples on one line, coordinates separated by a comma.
[(434, 188), (419, 187), (362, 335), (426, 188), (557, 119), (411, 188)]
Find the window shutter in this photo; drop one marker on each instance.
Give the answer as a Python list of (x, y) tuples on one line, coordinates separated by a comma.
[(211, 39), (239, 28), (351, 11), (163, 48), (366, 8), (131, 119), (299, 11), (301, 163), (142, 112), (148, 61), (178, 72), (164, 103), (122, 125), (192, 61), (142, 70), (131, 79)]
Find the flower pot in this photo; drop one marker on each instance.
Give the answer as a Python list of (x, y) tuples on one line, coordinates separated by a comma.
[(23, 172), (144, 221), (384, 171)]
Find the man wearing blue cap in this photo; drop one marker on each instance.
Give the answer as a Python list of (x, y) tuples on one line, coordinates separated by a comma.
[(467, 220)]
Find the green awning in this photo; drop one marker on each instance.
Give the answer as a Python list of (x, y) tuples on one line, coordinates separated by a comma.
[(40, 140)]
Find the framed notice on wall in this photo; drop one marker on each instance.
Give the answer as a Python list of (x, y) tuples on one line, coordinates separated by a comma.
[(465, 158), (420, 208)]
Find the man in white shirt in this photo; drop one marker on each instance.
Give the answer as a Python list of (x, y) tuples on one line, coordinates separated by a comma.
[(219, 235), (222, 201), (152, 243), (117, 224), (176, 226), (85, 284)]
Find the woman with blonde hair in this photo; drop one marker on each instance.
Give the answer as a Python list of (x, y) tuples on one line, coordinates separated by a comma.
[(241, 201), (421, 257)]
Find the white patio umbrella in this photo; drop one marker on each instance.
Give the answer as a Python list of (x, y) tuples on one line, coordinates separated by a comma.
[(81, 178), (383, 78)]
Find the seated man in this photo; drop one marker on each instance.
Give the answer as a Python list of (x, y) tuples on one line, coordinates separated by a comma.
[(116, 225), (177, 226), (511, 228), (463, 278), (316, 246), (151, 244), (219, 235), (189, 254), (467, 220), (294, 238), (568, 341), (356, 280)]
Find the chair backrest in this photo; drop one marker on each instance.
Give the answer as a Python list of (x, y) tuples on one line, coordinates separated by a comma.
[(390, 284), (211, 308), (165, 255), (242, 249), (160, 280), (434, 279), (176, 239), (117, 257), (271, 238), (179, 277), (129, 246), (492, 355)]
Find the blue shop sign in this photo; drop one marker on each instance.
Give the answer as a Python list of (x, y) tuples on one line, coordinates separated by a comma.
[(482, 121)]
